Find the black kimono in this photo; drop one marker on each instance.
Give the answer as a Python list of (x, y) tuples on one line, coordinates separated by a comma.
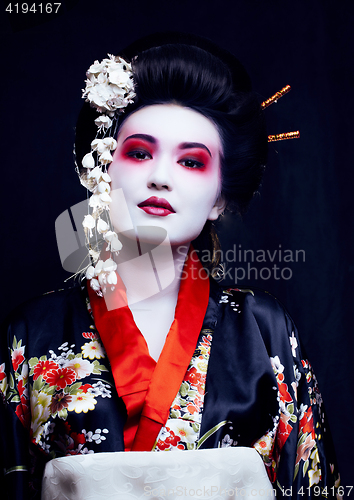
[(247, 384)]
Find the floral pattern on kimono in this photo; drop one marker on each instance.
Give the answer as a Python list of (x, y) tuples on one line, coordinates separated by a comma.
[(247, 384)]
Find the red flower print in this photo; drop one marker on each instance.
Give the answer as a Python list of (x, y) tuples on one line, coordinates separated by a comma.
[(192, 408), (172, 439), (283, 389), (193, 377), (67, 427), (169, 442), (304, 450), (78, 438), (206, 342), (262, 444), (61, 377), (59, 401), (306, 423), (17, 357), (284, 430), (2, 372), (23, 413), (42, 368), (90, 335), (22, 392), (201, 389), (85, 388), (161, 445)]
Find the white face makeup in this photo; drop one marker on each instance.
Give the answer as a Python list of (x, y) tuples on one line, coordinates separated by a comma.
[(167, 163)]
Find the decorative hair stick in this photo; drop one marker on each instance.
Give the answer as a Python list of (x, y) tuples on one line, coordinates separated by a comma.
[(284, 136), (275, 97)]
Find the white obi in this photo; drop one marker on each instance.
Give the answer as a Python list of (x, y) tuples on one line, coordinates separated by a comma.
[(218, 474)]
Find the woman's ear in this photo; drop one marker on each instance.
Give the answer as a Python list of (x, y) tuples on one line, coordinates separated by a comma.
[(218, 208)]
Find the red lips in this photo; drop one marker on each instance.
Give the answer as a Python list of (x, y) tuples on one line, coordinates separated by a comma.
[(156, 206)]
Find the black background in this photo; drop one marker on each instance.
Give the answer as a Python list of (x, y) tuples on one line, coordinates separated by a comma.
[(306, 200)]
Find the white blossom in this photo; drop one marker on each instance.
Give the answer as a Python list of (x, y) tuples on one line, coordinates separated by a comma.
[(90, 272), (105, 198), (89, 223), (88, 161), (113, 242), (110, 143), (95, 285), (103, 187), (106, 157), (102, 226), (96, 67), (103, 122), (96, 173), (109, 265), (105, 177)]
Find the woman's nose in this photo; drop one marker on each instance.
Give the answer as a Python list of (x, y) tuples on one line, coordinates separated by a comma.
[(160, 175)]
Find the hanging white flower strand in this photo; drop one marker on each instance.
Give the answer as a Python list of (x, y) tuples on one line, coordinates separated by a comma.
[(109, 89)]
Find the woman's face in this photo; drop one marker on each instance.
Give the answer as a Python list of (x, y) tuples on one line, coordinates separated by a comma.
[(167, 164)]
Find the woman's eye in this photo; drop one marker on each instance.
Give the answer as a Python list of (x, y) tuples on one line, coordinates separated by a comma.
[(189, 163), (139, 155)]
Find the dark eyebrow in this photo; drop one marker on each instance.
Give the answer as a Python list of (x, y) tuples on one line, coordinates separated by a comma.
[(188, 145), (145, 137)]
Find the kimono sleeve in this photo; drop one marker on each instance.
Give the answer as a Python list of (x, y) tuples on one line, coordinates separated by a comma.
[(302, 460), (15, 417)]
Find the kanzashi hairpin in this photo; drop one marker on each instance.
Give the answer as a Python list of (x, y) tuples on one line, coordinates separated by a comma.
[(275, 97), (286, 135)]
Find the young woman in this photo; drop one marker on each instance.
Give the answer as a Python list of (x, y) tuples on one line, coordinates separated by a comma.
[(151, 354)]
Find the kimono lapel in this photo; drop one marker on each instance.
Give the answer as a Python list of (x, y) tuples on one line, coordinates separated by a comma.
[(146, 387)]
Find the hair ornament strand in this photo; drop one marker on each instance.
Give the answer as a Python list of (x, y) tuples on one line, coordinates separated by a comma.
[(109, 89)]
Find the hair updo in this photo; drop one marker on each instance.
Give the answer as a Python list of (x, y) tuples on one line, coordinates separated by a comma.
[(195, 73)]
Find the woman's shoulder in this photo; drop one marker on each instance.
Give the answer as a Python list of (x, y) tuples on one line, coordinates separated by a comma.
[(255, 308), (50, 307), (250, 297)]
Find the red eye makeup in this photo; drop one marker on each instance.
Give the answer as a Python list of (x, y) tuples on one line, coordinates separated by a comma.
[(137, 149), (195, 158)]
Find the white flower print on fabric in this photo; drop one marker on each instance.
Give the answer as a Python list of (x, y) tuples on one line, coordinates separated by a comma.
[(224, 299), (82, 402), (101, 389), (235, 307), (276, 365), (226, 441), (93, 350), (293, 343), (82, 367), (50, 387), (184, 430)]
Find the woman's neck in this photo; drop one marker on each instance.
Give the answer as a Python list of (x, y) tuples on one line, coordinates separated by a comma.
[(150, 272), (151, 276)]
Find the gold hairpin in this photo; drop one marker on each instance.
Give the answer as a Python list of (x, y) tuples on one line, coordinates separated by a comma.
[(284, 136), (275, 97), (268, 102)]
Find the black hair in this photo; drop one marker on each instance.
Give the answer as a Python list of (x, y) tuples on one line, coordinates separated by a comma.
[(195, 73)]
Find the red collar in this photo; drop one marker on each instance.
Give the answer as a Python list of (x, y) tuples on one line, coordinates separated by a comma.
[(146, 387)]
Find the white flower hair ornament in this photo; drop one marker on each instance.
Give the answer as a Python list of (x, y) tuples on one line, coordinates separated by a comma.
[(109, 89)]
